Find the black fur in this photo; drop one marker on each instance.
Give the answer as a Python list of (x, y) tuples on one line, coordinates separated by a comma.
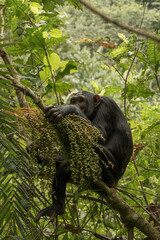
[(117, 147)]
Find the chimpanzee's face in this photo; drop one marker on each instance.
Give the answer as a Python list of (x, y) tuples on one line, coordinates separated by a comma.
[(80, 101), (87, 102)]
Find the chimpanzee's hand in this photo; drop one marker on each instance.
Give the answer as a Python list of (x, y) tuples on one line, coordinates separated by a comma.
[(53, 113)]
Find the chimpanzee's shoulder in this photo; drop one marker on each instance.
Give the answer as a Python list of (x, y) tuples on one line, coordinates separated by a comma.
[(107, 99)]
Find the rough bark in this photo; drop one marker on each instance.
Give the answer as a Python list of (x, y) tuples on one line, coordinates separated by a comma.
[(7, 61), (15, 78), (129, 215), (28, 92)]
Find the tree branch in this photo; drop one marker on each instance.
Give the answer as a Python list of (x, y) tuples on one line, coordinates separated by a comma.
[(130, 217), (27, 91), (84, 196), (121, 25), (6, 59)]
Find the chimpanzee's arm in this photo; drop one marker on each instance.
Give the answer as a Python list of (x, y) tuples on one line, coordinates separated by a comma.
[(54, 112)]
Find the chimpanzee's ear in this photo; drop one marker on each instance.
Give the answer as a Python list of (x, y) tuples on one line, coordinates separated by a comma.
[(97, 100)]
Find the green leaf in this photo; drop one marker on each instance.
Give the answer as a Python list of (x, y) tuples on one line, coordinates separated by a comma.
[(35, 7), (123, 37), (69, 67), (141, 178), (45, 34), (63, 65), (56, 33), (61, 86), (45, 74), (153, 179), (119, 51), (54, 61), (95, 86)]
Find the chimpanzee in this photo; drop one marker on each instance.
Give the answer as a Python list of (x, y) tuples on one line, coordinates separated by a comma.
[(106, 116)]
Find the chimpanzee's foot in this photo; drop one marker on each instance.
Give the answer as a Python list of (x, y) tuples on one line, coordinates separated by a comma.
[(51, 211)]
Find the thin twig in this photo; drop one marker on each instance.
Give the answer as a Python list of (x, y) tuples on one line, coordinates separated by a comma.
[(130, 68), (53, 79), (2, 22), (156, 75)]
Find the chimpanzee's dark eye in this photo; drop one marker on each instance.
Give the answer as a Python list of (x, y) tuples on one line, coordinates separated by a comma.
[(73, 101), (81, 99)]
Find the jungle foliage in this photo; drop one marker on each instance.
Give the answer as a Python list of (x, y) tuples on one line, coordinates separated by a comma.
[(57, 47)]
